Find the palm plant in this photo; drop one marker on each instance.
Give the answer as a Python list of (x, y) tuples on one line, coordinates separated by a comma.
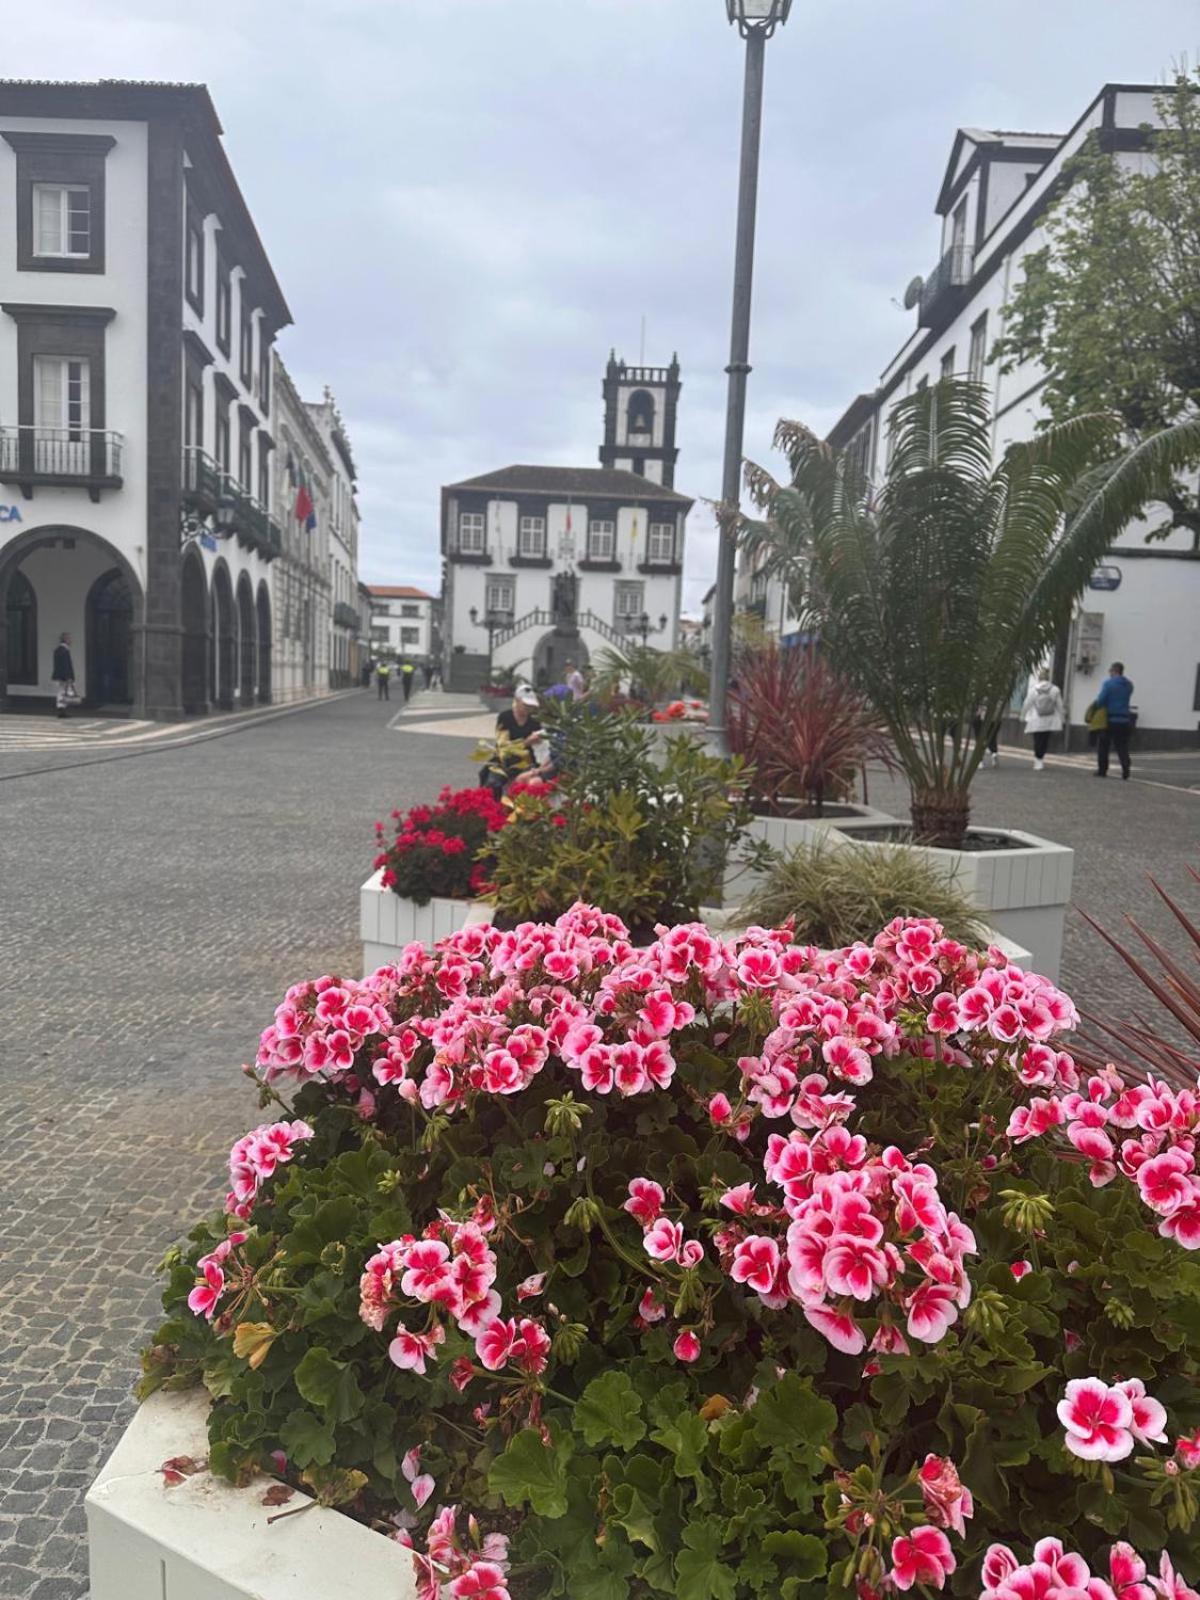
[(651, 674), (936, 592)]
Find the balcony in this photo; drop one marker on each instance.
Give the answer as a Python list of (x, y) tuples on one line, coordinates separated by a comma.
[(201, 480), (85, 458), (942, 293), (346, 615)]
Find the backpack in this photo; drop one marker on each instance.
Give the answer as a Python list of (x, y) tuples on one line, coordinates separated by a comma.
[(1045, 702)]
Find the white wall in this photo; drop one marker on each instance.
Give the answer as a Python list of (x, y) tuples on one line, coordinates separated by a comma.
[(61, 580)]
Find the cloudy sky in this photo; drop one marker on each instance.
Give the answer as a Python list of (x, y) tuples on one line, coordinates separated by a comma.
[(468, 202)]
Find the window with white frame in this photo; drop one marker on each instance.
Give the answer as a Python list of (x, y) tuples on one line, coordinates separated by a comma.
[(500, 595), (61, 395), (661, 543), (410, 636), (758, 585), (472, 533), (602, 540), (978, 356), (531, 537), (410, 610), (62, 220), (628, 601), (948, 363)]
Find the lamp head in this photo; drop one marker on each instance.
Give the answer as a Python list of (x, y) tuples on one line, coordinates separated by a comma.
[(758, 16)]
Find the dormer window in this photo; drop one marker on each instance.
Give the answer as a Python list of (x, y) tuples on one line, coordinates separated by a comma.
[(639, 417)]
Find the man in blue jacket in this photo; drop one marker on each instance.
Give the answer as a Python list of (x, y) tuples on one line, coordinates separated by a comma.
[(1115, 694)]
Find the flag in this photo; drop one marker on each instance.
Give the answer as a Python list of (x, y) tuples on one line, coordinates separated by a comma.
[(305, 511), (569, 528)]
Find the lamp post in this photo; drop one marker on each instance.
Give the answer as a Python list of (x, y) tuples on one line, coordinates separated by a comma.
[(756, 21), (643, 626), (493, 623)]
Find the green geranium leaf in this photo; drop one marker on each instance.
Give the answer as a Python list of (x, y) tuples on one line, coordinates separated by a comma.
[(306, 1440), (530, 1472), (800, 1555), (329, 1385), (685, 1437), (609, 1410), (700, 1574), (634, 1515), (789, 1415)]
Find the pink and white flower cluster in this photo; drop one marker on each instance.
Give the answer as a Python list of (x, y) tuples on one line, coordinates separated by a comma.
[(210, 1284), (1058, 1574), (1102, 1420), (452, 1570), (255, 1158), (1157, 1154)]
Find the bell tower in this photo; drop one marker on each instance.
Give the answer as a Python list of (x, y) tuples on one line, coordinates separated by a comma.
[(640, 409)]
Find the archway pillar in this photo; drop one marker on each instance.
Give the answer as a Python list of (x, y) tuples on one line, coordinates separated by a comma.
[(158, 671)]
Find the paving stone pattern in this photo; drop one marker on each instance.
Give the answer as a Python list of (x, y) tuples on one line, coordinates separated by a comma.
[(152, 911)]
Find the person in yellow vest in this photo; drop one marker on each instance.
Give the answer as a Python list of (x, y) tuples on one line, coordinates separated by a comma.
[(407, 676), (383, 673)]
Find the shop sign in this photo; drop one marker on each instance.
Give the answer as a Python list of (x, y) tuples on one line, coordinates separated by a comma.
[(1105, 578), (10, 513)]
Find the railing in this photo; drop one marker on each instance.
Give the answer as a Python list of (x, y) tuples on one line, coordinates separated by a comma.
[(346, 615), (952, 272), (275, 536), (541, 618), (87, 455), (201, 477)]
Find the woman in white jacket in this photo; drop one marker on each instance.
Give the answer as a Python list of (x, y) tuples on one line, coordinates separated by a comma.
[(1044, 714)]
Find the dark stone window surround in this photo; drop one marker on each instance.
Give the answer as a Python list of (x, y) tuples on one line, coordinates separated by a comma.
[(194, 228), (476, 504), (223, 304), (64, 331), (246, 341), (70, 158), (196, 356), (225, 392)]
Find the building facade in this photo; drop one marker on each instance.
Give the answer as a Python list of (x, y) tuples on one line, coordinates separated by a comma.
[(303, 588), (347, 648), (545, 565), (138, 310), (402, 623), (1144, 601)]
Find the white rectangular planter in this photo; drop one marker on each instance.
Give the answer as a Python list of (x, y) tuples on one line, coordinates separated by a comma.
[(205, 1540), (1023, 891), (786, 833), (387, 922)]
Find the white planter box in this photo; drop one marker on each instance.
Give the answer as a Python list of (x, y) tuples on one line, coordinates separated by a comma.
[(786, 833), (205, 1540), (387, 922), (1024, 892)]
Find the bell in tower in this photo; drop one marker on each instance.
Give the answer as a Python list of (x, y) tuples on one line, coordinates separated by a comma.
[(640, 409)]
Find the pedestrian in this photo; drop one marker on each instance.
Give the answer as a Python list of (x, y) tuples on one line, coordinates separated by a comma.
[(1044, 714), (991, 755), (62, 673), (427, 673), (574, 681), (382, 674), (1116, 693), (407, 673), (368, 670), (518, 733)]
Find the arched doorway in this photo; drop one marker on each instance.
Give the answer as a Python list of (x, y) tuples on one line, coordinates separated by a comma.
[(552, 653), (194, 615), (264, 644), (247, 637), (108, 627), (224, 639), (21, 647)]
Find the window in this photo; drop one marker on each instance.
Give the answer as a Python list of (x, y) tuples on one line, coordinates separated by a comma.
[(978, 356), (958, 229), (410, 610), (224, 446), (531, 537), (264, 375), (758, 586), (861, 449), (471, 533), (922, 383), (639, 466), (193, 282), (62, 220), (499, 596), (602, 541), (379, 635), (948, 363), (21, 613), (244, 477), (661, 543), (246, 349), (61, 414), (628, 601), (639, 418), (410, 636), (193, 412), (264, 476), (224, 305)]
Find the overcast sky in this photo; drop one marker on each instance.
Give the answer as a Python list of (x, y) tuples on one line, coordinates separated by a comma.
[(468, 202)]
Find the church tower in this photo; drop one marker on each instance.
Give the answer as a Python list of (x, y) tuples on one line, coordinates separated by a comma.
[(640, 407)]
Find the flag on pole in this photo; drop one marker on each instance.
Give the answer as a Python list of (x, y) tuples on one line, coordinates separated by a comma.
[(304, 510)]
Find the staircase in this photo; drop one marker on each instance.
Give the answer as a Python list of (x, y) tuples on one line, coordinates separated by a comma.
[(541, 618)]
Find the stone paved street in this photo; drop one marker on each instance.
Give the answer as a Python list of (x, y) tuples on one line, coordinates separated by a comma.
[(155, 904)]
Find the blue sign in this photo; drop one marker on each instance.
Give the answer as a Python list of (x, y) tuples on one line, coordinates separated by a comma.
[(207, 540), (1105, 578), (10, 513)]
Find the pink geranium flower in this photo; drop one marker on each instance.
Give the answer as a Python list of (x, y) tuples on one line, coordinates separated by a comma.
[(923, 1556), (1098, 1420)]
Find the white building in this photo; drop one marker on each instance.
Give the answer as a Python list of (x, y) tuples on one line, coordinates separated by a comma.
[(303, 587), (345, 645), (542, 565), (1144, 601), (137, 314), (401, 622)]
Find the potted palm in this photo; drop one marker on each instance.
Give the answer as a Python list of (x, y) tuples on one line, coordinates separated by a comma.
[(935, 591)]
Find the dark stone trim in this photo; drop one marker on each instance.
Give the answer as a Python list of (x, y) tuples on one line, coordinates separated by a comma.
[(63, 331), (195, 349), (470, 558), (660, 569), (1127, 553), (531, 561), (223, 289), (194, 226), (247, 415), (245, 341), (69, 158), (588, 565), (226, 389), (81, 316)]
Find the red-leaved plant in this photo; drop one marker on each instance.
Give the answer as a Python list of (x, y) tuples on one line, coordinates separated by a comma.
[(436, 848), (805, 731)]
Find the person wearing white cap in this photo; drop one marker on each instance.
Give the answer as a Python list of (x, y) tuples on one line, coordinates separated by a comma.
[(517, 726)]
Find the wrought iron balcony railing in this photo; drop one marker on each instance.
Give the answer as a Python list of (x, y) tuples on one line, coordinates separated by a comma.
[(87, 457), (201, 478), (940, 292), (346, 615)]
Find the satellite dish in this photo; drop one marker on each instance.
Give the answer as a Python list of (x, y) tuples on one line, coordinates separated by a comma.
[(913, 293)]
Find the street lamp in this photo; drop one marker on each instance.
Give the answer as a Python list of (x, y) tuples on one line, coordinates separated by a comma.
[(645, 627), (756, 21), (493, 622)]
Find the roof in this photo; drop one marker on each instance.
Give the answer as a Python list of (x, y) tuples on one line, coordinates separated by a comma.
[(394, 591), (595, 483)]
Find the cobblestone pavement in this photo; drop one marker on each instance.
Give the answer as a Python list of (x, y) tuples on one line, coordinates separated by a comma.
[(152, 911), (153, 907)]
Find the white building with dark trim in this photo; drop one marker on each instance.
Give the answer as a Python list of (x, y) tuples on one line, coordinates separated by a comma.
[(402, 622), (542, 565), (346, 647), (303, 586), (1143, 607), (138, 310)]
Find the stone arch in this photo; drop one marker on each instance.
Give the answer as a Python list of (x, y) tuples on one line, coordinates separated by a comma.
[(551, 654), (639, 413), (108, 640), (197, 634), (224, 628), (15, 552), (263, 607), (247, 640)]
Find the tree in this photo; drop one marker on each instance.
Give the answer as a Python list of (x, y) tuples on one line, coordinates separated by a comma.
[(1111, 306), (647, 673), (936, 592)]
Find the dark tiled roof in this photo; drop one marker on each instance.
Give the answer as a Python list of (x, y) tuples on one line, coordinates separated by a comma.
[(599, 483)]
